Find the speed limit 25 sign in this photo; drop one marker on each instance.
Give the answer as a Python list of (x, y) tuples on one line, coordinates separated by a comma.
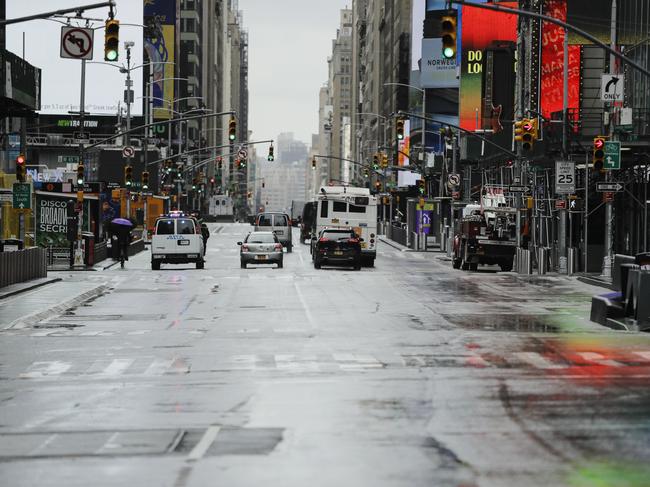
[(565, 177)]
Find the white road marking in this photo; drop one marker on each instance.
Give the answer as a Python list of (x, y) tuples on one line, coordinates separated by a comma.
[(45, 369), (536, 360), (643, 354), (158, 367), (206, 441), (138, 332), (117, 367), (244, 362), (599, 359), (43, 445), (296, 362), (310, 318), (351, 361)]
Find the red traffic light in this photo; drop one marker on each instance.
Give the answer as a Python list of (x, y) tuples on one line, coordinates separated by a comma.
[(527, 126), (20, 159), (599, 143)]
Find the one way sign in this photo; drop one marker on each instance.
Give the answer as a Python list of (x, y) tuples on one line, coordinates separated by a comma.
[(611, 88)]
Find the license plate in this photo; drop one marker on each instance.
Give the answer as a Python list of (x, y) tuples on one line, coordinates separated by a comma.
[(279, 232), (260, 257), (338, 252), (364, 245), (183, 242)]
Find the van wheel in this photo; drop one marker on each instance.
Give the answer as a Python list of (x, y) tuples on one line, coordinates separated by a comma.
[(155, 265), (243, 264), (280, 264), (200, 264), (316, 264)]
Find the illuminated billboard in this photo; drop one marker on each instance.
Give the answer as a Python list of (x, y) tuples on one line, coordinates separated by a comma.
[(160, 50), (481, 29)]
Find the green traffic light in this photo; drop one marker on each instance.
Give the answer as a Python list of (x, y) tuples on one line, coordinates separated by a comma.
[(448, 52), (111, 55)]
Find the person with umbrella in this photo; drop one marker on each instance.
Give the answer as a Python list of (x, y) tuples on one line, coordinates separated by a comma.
[(121, 230)]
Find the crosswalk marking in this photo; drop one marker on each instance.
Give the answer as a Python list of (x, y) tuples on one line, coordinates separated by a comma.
[(117, 367), (158, 367), (537, 361), (599, 359), (353, 361), (45, 369), (643, 355), (296, 362)]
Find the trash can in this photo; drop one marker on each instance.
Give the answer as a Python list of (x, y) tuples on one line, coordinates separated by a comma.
[(89, 248), (11, 245)]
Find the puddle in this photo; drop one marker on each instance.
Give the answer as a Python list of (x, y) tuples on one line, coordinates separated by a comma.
[(505, 322)]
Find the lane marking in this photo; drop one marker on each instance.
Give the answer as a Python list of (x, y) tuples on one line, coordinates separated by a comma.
[(643, 354), (536, 360), (45, 369), (308, 314), (599, 359), (202, 446)]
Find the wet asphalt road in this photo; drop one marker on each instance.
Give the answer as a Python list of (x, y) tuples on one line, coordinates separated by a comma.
[(407, 374)]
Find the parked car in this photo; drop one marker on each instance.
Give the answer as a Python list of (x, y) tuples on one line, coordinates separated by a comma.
[(278, 223), (177, 239), (337, 246), (261, 248)]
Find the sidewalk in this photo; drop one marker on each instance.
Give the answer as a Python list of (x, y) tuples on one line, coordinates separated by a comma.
[(27, 307), (22, 287)]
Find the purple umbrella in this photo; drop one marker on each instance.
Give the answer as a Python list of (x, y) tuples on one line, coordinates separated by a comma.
[(122, 221)]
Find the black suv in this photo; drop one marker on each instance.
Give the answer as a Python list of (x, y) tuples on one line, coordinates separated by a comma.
[(336, 246)]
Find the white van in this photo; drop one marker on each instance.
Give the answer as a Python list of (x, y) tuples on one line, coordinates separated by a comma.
[(350, 207), (177, 239)]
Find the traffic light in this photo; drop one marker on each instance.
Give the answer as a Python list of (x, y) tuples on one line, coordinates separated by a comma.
[(526, 133), (145, 179), (384, 161), (168, 166), (128, 176), (375, 161), (378, 186), (220, 163), (270, 157), (366, 173), (313, 162), (21, 160), (448, 29), (232, 129), (194, 183), (421, 186), (399, 127), (80, 174), (112, 40), (599, 153)]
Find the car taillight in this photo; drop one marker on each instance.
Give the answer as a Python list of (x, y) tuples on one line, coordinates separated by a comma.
[(278, 246), (323, 240), (244, 248), (353, 240)]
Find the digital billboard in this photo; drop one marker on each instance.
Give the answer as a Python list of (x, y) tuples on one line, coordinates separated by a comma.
[(552, 64), (481, 29), (160, 49)]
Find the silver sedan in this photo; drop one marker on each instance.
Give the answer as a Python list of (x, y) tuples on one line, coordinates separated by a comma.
[(261, 248)]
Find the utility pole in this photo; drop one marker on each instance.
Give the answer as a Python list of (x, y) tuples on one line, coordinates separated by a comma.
[(127, 99), (78, 256)]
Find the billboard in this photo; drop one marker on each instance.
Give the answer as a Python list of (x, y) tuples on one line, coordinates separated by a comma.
[(437, 71), (159, 19), (404, 145), (481, 29), (52, 218), (552, 64)]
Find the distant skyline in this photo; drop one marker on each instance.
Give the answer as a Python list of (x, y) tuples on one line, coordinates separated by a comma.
[(289, 43)]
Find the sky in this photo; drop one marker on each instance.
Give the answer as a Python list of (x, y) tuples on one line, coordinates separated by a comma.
[(289, 43)]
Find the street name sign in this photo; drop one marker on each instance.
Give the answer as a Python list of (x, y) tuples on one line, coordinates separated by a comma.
[(612, 155), (611, 88), (22, 196), (565, 177), (6, 196), (76, 43), (609, 187), (519, 189)]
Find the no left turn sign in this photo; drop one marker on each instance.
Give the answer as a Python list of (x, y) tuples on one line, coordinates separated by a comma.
[(128, 151), (76, 43)]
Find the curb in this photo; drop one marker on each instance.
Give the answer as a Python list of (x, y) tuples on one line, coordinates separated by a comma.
[(395, 245), (27, 321), (29, 287)]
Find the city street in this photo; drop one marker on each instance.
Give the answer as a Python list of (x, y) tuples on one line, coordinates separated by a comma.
[(406, 374)]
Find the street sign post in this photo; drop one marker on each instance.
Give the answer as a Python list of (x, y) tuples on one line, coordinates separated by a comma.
[(614, 187), (22, 196), (612, 155), (76, 43), (612, 87), (565, 177)]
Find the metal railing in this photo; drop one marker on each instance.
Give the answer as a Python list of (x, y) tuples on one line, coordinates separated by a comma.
[(22, 265)]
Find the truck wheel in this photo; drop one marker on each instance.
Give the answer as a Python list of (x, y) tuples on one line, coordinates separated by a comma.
[(200, 264), (155, 265), (473, 267), (464, 265), (506, 267)]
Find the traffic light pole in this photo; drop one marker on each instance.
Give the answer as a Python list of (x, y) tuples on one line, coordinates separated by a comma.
[(78, 260)]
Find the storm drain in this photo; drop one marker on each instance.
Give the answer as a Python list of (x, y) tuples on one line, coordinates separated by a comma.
[(229, 441)]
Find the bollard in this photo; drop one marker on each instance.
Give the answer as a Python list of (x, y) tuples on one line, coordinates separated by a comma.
[(542, 260), (572, 260)]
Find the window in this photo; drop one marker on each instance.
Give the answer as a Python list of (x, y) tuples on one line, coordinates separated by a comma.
[(280, 221), (340, 207), (324, 208), (338, 235), (261, 238), (186, 227), (165, 227), (357, 209), (265, 221)]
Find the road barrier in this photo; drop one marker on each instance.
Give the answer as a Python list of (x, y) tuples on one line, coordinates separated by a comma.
[(542, 260), (22, 265), (523, 261)]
